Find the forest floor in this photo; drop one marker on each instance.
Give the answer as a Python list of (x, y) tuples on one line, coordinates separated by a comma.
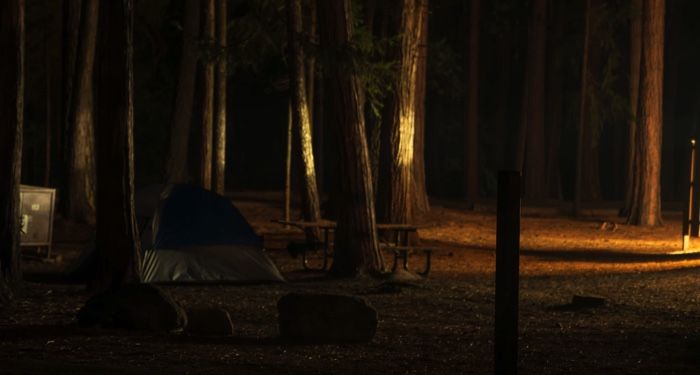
[(443, 325)]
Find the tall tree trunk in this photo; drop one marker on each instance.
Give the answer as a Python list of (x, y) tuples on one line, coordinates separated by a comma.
[(646, 207), (70, 33), (635, 58), (117, 242), (535, 183), (288, 165), (583, 109), (11, 128), (50, 114), (221, 76), (311, 207), (555, 99), (81, 167), (421, 193), (311, 61), (207, 67), (396, 184), (503, 90), (356, 245), (471, 145), (176, 165)]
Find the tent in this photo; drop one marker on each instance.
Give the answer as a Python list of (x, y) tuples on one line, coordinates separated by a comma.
[(195, 235)]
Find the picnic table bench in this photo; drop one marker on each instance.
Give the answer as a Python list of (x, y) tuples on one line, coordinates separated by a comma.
[(400, 246)]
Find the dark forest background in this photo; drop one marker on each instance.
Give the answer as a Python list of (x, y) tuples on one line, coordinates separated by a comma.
[(258, 92)]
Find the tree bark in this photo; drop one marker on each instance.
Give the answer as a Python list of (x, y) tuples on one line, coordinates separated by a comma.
[(221, 78), (70, 32), (471, 144), (534, 180), (12, 114), (81, 149), (288, 165), (396, 183), (356, 245), (578, 187), (207, 98), (117, 241), (311, 207), (646, 207), (635, 58), (176, 165), (555, 99), (421, 193)]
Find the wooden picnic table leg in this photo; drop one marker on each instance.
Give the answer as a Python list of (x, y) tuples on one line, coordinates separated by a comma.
[(326, 248), (426, 271)]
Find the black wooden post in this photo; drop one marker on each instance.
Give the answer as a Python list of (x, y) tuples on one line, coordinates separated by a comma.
[(507, 270), (690, 205), (695, 195)]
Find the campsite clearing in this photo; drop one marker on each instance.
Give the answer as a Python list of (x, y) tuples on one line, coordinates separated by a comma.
[(650, 323)]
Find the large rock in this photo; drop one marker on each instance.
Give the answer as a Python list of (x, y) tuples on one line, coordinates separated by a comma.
[(326, 318), (133, 306), (209, 322)]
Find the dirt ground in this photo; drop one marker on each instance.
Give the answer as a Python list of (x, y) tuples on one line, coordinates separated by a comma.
[(442, 325)]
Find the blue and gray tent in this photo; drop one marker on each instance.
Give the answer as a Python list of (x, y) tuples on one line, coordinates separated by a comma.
[(190, 234)]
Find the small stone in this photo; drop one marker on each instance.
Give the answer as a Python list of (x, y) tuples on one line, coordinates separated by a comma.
[(209, 322), (326, 318)]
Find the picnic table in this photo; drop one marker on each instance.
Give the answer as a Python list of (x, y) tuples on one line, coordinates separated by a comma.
[(400, 246)]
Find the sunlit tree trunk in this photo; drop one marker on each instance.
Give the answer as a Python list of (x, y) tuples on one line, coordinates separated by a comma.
[(220, 129), (176, 165), (534, 172), (81, 149), (117, 240), (312, 31), (11, 128), (301, 117), (646, 205), (208, 31), (635, 58), (356, 246), (396, 202), (471, 144), (421, 193)]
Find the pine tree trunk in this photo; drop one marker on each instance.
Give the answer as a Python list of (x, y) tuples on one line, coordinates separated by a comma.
[(11, 128), (301, 118), (635, 59), (471, 145), (71, 11), (288, 166), (221, 77), (396, 183), (503, 90), (555, 100), (117, 241), (207, 98), (421, 193), (578, 187), (534, 176), (356, 245), (81, 167), (646, 207), (177, 165)]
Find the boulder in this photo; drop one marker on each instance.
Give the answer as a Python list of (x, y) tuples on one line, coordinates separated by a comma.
[(326, 318), (209, 322), (133, 306)]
